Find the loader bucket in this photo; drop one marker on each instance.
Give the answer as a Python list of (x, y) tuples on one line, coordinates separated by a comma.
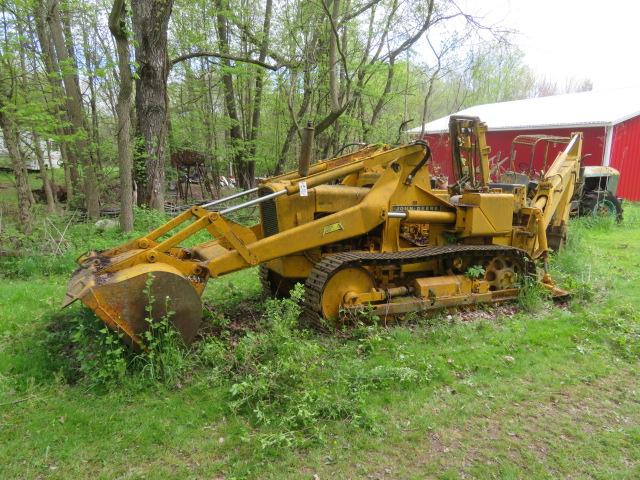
[(128, 300)]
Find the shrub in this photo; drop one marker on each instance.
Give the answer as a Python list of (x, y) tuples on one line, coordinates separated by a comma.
[(100, 355), (99, 358), (278, 378), (164, 357)]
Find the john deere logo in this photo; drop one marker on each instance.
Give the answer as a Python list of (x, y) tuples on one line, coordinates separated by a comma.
[(334, 227), (420, 208)]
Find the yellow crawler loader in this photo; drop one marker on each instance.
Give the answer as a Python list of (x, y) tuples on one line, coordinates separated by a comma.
[(362, 229)]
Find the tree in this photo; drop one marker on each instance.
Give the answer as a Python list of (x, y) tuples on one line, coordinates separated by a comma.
[(244, 168), (74, 107), (11, 137), (150, 22), (244, 79), (11, 140), (56, 93), (118, 27)]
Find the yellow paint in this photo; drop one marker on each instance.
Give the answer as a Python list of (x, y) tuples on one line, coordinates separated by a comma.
[(345, 209)]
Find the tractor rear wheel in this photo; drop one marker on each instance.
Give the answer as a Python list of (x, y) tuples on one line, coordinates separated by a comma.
[(601, 204)]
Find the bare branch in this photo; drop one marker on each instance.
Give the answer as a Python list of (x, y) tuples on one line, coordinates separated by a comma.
[(188, 56), (253, 38), (335, 44), (360, 10), (408, 43)]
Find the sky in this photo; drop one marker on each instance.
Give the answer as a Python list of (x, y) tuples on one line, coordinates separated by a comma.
[(561, 39)]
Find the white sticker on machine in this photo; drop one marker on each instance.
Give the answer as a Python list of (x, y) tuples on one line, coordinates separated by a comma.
[(303, 189)]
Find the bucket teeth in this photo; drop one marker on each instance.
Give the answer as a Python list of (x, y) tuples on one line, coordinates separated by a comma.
[(83, 279)]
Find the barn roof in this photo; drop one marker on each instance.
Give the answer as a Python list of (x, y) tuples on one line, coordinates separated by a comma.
[(586, 109)]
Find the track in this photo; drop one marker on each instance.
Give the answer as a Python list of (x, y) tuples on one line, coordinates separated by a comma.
[(330, 264), (265, 283)]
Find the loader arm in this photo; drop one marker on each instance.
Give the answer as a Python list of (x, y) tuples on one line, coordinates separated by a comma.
[(356, 220)]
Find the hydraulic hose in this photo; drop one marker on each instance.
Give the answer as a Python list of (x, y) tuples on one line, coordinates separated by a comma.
[(425, 159)]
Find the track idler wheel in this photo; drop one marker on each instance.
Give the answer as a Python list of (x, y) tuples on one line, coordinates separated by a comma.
[(344, 281)]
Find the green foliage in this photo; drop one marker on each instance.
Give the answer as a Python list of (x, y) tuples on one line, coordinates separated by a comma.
[(597, 222), (475, 271), (56, 241), (99, 354), (270, 400), (87, 352), (571, 267), (355, 320), (532, 296), (164, 357), (622, 324), (275, 375)]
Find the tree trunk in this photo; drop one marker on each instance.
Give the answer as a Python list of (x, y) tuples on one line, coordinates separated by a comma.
[(243, 170), (11, 139), (211, 136), (90, 65), (46, 181), (257, 99), (70, 162), (150, 21), (75, 112), (295, 117), (377, 109), (118, 27), (334, 87)]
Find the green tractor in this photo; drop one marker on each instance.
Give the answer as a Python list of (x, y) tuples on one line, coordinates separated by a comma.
[(595, 190), (595, 193)]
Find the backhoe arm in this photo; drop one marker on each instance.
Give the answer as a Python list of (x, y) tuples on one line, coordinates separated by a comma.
[(551, 202), (469, 150), (553, 195)]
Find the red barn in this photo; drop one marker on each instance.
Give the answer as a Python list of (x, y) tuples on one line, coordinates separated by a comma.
[(609, 120)]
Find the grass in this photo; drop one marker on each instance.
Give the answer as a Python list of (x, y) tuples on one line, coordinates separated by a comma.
[(544, 391)]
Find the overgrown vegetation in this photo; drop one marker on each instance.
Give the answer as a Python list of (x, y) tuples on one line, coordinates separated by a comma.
[(258, 396), (229, 85)]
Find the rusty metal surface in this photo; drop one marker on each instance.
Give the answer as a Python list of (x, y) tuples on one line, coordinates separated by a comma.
[(120, 299)]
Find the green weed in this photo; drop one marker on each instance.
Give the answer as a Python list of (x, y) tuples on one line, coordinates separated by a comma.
[(99, 354), (475, 271), (89, 353), (164, 357), (532, 296), (274, 379), (57, 240), (572, 267), (523, 396), (622, 329)]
